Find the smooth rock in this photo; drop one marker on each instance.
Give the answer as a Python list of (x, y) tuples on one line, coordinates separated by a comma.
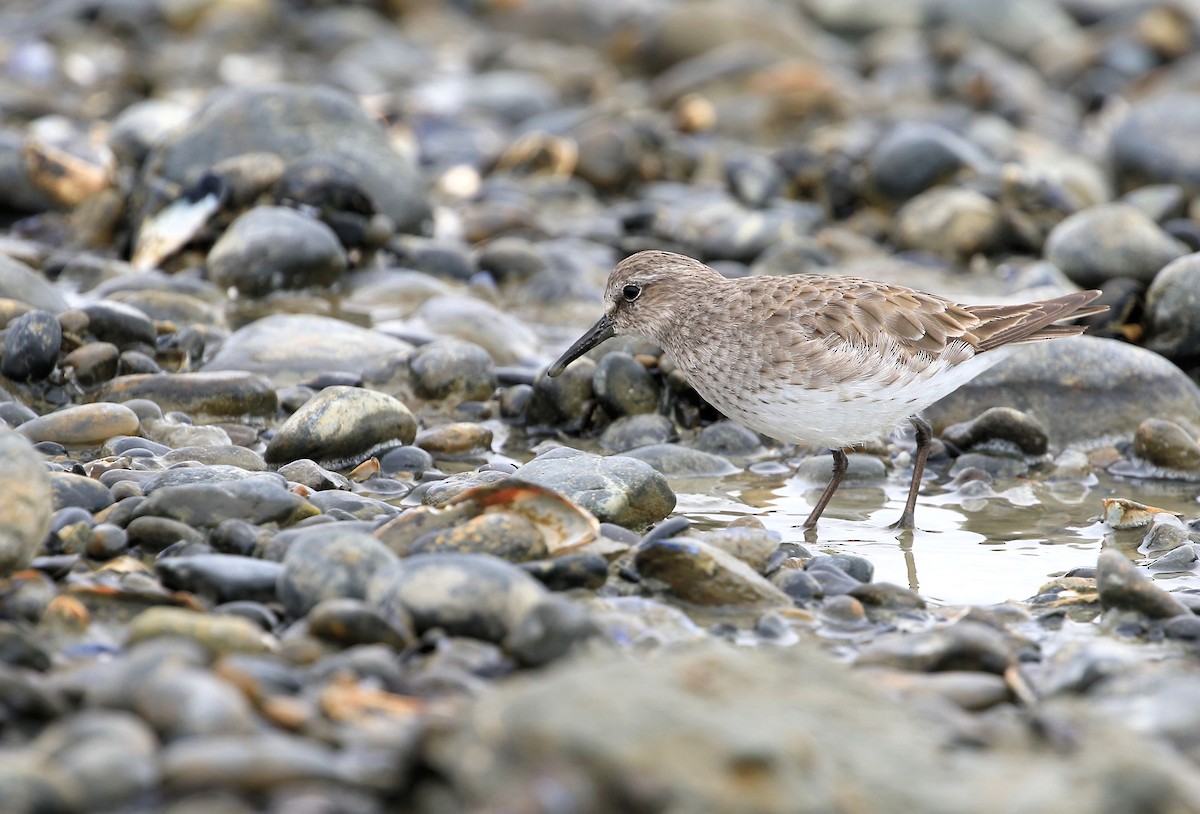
[(329, 563), (473, 595), (615, 489), (31, 345), (452, 368), (1166, 444), (219, 394), (83, 425), (341, 427), (632, 431), (676, 461), (999, 429), (1173, 311), (291, 347), (1123, 586), (26, 502), (1080, 389), (706, 575), (220, 577), (255, 500), (271, 248), (1111, 240)]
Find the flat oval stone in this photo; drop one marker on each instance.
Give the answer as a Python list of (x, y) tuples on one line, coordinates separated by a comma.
[(122, 325), (224, 455), (218, 634), (700, 573), (341, 427), (249, 763), (255, 500), (26, 502), (460, 438), (677, 461), (292, 347), (93, 363), (82, 426), (221, 577), (220, 394)]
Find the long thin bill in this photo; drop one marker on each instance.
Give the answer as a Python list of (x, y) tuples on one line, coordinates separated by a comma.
[(603, 329)]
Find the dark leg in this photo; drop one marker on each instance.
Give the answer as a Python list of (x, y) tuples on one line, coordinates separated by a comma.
[(840, 464), (924, 437)]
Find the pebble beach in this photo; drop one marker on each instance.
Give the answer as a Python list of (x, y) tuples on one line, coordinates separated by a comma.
[(292, 520)]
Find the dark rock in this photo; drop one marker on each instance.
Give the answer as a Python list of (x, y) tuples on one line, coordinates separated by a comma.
[(31, 346)]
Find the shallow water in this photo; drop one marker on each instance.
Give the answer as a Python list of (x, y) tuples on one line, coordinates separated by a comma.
[(968, 550)]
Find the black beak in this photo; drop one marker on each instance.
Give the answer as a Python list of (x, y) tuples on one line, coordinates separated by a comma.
[(603, 329)]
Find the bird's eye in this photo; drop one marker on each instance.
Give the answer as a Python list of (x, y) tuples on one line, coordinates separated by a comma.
[(631, 292)]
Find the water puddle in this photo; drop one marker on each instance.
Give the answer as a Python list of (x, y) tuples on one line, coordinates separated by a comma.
[(972, 549)]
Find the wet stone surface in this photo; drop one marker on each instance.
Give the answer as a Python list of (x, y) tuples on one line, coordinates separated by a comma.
[(293, 519)]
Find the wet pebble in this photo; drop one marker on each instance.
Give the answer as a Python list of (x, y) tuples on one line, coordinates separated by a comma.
[(223, 455), (913, 156), (455, 440), (220, 577), (675, 461), (82, 425), (1111, 240), (120, 324), (706, 575), (1165, 533), (564, 398), (92, 363), (729, 439), (949, 221), (203, 505), (1172, 305), (1111, 383), (290, 347), (1123, 586), (453, 368), (474, 595), (221, 394), (21, 283), (999, 429), (634, 431), (153, 534), (309, 473), (624, 386), (409, 459), (502, 534), (343, 426), (1155, 142), (31, 345), (587, 571), (1167, 445), (26, 502), (328, 563), (965, 645), (1181, 558), (79, 490), (218, 634), (248, 763), (615, 489), (351, 622)]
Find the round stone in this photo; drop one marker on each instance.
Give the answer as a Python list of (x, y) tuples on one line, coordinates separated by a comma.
[(341, 427)]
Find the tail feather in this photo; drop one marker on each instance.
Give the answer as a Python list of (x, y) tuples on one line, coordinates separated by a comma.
[(1030, 322)]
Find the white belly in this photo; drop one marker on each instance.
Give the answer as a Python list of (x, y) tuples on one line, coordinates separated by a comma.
[(845, 415)]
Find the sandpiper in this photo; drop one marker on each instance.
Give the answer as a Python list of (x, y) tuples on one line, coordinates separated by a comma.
[(818, 360)]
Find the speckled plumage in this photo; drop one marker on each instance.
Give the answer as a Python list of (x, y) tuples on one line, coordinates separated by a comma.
[(813, 359)]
